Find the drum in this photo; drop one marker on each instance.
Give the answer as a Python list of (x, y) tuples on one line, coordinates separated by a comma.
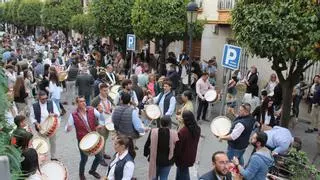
[(42, 148), (54, 170), (62, 76), (113, 92), (108, 122), (92, 143), (220, 126), (211, 95), (153, 111), (50, 126)]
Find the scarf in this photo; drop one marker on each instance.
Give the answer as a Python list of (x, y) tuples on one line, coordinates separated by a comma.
[(153, 150)]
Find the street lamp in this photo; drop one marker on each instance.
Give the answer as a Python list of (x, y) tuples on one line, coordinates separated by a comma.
[(192, 13)]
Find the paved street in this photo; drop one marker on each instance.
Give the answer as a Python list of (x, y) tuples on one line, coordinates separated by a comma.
[(68, 152)]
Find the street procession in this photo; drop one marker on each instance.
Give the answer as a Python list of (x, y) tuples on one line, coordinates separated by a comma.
[(160, 90)]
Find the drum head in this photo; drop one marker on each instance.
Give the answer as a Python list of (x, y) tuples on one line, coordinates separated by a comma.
[(54, 170), (46, 124), (112, 95), (153, 111), (110, 126), (115, 88), (211, 95), (40, 145), (62, 76), (220, 126), (89, 141)]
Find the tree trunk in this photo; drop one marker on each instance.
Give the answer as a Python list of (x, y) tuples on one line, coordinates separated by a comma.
[(287, 89)]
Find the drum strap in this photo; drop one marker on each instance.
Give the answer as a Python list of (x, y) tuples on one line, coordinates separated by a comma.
[(84, 121)]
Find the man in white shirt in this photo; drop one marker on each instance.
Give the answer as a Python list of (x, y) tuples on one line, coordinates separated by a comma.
[(165, 100), (110, 76), (39, 112), (127, 88), (84, 120), (202, 86)]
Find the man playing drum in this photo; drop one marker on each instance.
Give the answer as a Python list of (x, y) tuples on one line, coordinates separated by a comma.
[(166, 100), (102, 103), (39, 112), (84, 121), (202, 86), (126, 119), (127, 88)]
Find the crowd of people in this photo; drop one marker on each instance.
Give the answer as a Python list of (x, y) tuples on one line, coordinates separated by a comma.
[(102, 86)]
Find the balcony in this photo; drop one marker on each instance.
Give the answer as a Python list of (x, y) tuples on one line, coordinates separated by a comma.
[(224, 11)]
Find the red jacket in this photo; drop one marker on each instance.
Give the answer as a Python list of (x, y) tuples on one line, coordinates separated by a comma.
[(80, 126), (186, 148)]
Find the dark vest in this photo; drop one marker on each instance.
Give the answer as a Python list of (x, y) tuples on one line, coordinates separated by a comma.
[(242, 141), (73, 73), (166, 102), (80, 126), (122, 120), (37, 110), (118, 171), (211, 175)]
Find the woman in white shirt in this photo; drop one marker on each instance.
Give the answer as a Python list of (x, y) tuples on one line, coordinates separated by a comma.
[(122, 165), (55, 88), (271, 84)]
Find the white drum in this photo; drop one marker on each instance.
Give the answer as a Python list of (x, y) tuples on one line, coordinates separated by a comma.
[(54, 170), (108, 122), (211, 95), (40, 145), (220, 126), (153, 111), (92, 143)]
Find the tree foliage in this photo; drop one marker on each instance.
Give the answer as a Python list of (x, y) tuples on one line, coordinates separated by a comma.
[(57, 15), (11, 10), (283, 31), (84, 24), (113, 17), (28, 12), (159, 19)]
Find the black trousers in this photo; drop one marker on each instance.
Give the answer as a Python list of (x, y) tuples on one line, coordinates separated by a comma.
[(202, 107)]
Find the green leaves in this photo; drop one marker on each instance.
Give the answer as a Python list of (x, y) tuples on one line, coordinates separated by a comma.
[(161, 19), (28, 12), (113, 17), (286, 29), (84, 24), (57, 16)]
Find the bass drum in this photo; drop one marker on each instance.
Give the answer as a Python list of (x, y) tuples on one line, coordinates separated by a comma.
[(114, 90), (54, 170)]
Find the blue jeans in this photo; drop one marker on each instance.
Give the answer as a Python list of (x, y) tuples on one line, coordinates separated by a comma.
[(182, 173), (162, 172), (84, 159), (57, 102), (87, 100), (236, 153)]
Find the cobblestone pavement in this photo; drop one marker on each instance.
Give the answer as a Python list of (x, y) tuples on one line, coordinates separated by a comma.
[(68, 153)]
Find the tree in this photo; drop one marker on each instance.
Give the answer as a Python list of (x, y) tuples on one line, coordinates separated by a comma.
[(164, 20), (84, 24), (284, 32), (113, 18), (28, 13), (57, 15)]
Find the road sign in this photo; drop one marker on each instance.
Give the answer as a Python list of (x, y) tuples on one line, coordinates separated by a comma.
[(131, 42), (231, 56)]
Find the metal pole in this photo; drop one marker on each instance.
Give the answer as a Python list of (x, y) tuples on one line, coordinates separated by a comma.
[(190, 52), (225, 92), (131, 72)]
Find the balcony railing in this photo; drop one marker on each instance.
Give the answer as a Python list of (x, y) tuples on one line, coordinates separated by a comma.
[(226, 4)]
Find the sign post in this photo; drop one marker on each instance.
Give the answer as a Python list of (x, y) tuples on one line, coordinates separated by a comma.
[(131, 46), (230, 61)]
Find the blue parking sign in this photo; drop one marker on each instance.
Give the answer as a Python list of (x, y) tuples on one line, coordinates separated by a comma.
[(231, 56), (131, 42)]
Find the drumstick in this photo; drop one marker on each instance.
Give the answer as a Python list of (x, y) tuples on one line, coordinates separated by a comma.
[(38, 146)]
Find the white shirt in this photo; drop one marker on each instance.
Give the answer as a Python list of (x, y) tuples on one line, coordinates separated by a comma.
[(202, 87), (97, 114), (133, 98), (184, 75), (172, 105), (237, 131), (44, 112), (55, 90), (127, 170)]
